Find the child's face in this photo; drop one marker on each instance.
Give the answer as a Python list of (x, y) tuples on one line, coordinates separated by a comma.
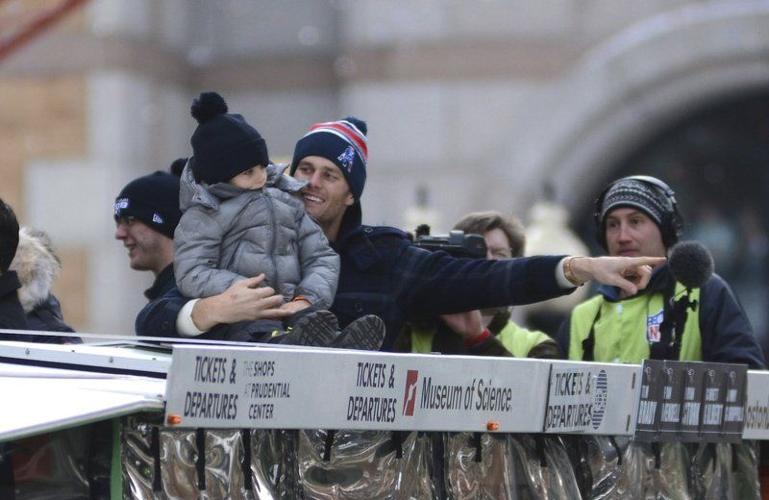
[(253, 178)]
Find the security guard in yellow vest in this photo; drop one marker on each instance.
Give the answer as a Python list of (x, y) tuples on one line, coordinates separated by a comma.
[(635, 216)]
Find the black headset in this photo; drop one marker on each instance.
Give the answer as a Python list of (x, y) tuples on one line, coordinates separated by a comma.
[(672, 224)]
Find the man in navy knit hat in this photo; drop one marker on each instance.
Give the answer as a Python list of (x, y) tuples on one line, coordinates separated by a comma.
[(382, 273), (638, 215), (146, 215)]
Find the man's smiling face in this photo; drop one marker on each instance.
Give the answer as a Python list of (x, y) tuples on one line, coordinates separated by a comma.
[(327, 194)]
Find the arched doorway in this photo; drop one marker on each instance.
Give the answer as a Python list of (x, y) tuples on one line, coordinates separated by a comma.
[(641, 81)]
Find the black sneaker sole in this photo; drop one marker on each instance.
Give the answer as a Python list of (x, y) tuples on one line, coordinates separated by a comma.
[(318, 329), (366, 333)]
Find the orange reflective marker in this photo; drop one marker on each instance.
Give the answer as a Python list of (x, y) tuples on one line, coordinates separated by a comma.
[(174, 420), (492, 426)]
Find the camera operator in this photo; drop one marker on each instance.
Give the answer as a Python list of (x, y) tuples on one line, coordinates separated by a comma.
[(500, 238)]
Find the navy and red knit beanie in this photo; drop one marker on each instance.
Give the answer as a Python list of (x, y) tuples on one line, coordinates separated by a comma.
[(223, 144), (342, 142)]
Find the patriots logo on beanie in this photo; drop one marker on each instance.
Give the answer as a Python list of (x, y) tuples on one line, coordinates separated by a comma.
[(347, 158)]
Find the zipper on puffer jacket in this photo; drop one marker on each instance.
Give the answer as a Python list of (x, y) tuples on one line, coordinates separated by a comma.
[(273, 225)]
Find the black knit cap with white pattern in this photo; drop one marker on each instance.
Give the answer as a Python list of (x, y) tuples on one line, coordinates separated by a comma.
[(637, 194)]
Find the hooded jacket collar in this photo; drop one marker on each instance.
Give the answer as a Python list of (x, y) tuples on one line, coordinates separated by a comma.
[(36, 266), (194, 193)]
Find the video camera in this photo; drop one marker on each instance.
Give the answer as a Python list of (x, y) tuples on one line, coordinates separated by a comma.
[(456, 243)]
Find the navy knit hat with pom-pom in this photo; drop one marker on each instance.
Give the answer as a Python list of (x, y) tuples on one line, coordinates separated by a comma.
[(224, 144), (342, 142)]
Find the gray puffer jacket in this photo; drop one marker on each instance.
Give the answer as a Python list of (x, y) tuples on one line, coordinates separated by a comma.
[(227, 234)]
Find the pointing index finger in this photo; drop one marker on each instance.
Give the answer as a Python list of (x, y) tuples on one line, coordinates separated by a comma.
[(647, 261)]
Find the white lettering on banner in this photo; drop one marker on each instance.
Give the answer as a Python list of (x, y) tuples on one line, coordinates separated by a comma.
[(733, 414), (691, 414), (712, 414), (646, 412), (670, 412), (410, 392)]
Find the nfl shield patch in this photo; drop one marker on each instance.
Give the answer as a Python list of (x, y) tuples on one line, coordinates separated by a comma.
[(653, 327)]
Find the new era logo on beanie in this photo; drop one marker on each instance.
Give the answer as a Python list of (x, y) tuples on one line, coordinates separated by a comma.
[(152, 199), (342, 142), (223, 144)]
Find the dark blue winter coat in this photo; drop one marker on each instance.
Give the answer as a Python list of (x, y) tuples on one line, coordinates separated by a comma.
[(383, 273)]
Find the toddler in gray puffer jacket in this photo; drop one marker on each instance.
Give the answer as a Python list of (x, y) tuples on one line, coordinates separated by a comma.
[(243, 217)]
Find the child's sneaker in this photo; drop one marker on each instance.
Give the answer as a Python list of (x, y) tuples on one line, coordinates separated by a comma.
[(318, 328), (366, 334)]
